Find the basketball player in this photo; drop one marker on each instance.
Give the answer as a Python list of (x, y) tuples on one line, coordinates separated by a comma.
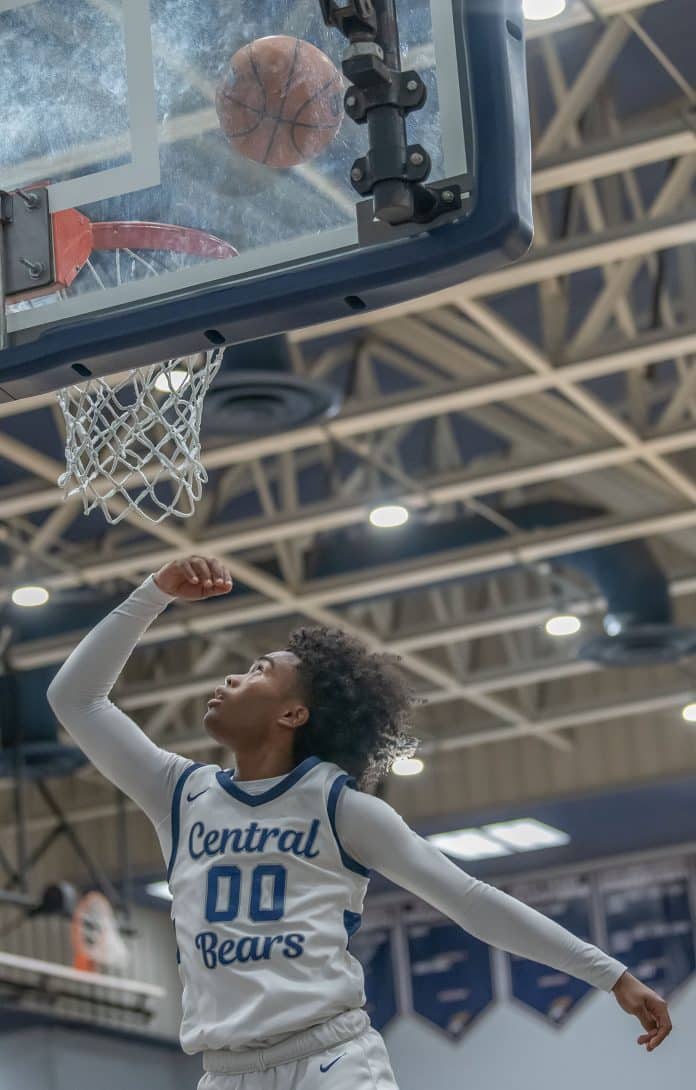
[(268, 863)]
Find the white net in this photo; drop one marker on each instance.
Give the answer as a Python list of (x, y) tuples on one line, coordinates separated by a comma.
[(136, 442)]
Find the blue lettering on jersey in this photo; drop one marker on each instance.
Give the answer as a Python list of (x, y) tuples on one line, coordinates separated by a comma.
[(294, 942), (216, 913), (246, 948), (255, 891), (211, 842), (278, 875), (229, 911)]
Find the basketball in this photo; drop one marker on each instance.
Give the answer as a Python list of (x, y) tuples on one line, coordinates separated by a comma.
[(280, 101)]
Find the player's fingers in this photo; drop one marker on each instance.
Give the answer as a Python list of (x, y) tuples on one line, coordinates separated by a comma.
[(221, 576), (657, 1040), (189, 571), (200, 565), (217, 571), (646, 1018), (664, 1027)]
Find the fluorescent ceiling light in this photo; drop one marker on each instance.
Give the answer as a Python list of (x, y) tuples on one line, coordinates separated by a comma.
[(469, 844), (500, 838), (527, 834)]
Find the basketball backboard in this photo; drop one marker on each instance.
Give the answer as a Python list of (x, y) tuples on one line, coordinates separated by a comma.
[(166, 239)]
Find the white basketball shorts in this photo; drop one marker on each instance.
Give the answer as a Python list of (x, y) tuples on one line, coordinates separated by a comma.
[(359, 1063)]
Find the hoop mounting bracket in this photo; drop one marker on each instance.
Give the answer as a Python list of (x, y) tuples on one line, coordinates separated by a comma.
[(26, 225), (351, 17), (380, 95)]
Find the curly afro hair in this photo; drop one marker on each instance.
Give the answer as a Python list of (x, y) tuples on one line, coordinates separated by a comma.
[(358, 702)]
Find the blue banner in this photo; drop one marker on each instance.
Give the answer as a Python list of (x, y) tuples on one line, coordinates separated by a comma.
[(551, 993), (373, 951), (451, 977), (651, 931)]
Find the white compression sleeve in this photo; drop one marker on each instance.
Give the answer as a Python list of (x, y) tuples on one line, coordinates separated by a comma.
[(111, 740), (378, 837)]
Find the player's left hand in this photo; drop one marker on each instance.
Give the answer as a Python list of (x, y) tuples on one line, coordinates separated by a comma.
[(194, 577), (648, 1007)]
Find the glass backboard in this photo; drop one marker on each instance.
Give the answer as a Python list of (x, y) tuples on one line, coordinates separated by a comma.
[(168, 236)]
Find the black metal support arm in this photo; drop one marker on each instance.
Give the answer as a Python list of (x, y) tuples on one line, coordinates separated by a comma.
[(393, 172)]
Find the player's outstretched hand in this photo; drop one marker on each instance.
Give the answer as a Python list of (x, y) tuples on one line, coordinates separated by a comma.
[(648, 1007), (194, 578)]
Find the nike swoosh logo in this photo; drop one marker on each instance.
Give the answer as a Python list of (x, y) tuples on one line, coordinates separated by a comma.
[(322, 1068), (191, 797)]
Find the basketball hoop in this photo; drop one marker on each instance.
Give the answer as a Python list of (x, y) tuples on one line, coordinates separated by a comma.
[(136, 436), (139, 438), (76, 240)]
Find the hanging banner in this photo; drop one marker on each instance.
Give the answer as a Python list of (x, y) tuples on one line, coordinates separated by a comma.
[(451, 978), (649, 925), (373, 950), (554, 995)]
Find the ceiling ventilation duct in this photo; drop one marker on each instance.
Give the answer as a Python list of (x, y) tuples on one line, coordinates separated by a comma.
[(638, 623), (257, 393), (29, 730)]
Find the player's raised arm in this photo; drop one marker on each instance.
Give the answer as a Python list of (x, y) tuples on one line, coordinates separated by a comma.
[(79, 693), (378, 837)]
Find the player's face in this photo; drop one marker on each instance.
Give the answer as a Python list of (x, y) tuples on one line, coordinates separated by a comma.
[(251, 706)]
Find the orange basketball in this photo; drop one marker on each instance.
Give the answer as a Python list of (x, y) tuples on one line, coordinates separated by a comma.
[(280, 102)]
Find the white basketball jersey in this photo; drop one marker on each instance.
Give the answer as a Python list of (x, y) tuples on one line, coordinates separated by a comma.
[(264, 901)]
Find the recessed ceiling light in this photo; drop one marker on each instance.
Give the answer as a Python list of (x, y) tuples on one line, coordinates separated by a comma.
[(543, 9), (689, 713), (394, 515), (527, 834), (612, 625), (170, 380), (30, 596), (565, 625), (407, 766)]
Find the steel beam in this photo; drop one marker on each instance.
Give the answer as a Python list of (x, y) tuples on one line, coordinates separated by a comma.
[(522, 548), (639, 352)]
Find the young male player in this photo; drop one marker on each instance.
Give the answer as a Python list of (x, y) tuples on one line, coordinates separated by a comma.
[(268, 863)]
